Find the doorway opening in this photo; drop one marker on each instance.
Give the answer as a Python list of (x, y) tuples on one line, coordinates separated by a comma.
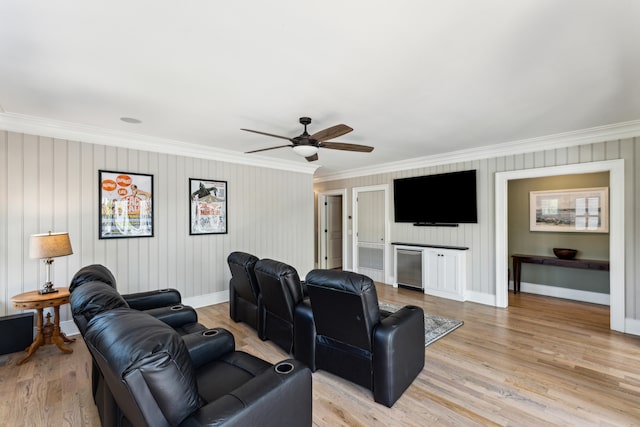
[(616, 229), (332, 229)]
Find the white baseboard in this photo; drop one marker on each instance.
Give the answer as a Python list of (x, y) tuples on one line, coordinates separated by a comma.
[(69, 328), (572, 294), (480, 298), (207, 299), (632, 326)]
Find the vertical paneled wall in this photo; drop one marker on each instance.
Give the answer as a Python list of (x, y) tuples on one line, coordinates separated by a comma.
[(480, 238), (50, 184)]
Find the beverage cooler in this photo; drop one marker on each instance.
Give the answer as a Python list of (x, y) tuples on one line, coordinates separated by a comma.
[(409, 268)]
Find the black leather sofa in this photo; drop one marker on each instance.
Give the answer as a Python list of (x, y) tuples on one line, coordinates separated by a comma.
[(236, 381), (355, 340), (161, 379)]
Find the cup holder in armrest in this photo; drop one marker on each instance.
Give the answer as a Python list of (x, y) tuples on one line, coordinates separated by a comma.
[(177, 307), (210, 332), (284, 367)]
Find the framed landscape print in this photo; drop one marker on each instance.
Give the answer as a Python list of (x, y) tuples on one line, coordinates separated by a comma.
[(126, 204), (207, 206), (581, 210)]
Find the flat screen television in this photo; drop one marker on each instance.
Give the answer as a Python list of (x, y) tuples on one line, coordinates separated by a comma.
[(441, 199)]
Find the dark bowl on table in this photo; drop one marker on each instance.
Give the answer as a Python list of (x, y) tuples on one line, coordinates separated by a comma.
[(564, 253)]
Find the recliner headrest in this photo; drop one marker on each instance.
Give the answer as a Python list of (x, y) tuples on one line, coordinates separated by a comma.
[(92, 273), (91, 299), (275, 268), (242, 258), (347, 281)]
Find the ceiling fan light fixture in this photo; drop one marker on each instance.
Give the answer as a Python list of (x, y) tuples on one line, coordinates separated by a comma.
[(305, 150)]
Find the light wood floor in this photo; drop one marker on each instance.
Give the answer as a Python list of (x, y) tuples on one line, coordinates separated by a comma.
[(542, 361)]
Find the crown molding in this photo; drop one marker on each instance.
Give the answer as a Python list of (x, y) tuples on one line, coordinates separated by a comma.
[(560, 140), (95, 135)]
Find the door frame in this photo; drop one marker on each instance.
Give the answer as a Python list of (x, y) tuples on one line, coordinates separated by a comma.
[(616, 229), (387, 229), (322, 223)]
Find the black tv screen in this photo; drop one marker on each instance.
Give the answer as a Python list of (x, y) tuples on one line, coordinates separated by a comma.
[(448, 198)]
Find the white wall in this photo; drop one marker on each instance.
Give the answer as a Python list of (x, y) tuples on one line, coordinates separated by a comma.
[(480, 238), (52, 184)]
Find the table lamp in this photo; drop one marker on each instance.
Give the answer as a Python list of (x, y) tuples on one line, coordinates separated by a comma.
[(48, 246)]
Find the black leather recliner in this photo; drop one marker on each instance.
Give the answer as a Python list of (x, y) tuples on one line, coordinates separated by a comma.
[(282, 295), (161, 379), (93, 291), (355, 340), (165, 304), (245, 301)]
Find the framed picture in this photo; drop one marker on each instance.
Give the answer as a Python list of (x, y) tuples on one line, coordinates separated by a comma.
[(580, 210), (207, 206), (126, 205)]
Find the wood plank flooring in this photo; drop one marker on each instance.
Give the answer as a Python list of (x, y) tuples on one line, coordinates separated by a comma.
[(540, 362)]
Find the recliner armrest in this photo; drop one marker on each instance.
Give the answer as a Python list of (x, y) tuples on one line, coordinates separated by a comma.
[(398, 348), (175, 316), (304, 334), (208, 345), (153, 299), (283, 392)]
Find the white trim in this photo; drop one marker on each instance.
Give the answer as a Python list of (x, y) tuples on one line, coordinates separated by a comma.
[(616, 230), (560, 140), (632, 326), (206, 299), (95, 135), (480, 297), (566, 293), (68, 327), (321, 262)]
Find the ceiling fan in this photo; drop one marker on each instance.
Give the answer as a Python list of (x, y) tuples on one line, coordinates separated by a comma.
[(307, 146)]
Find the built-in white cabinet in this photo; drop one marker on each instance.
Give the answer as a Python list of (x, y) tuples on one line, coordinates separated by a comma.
[(438, 270)]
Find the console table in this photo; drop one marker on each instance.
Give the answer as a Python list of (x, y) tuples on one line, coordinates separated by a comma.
[(518, 259)]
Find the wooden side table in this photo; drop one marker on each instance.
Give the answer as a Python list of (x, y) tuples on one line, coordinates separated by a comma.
[(48, 333)]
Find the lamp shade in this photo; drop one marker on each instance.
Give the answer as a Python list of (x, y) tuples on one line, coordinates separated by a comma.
[(305, 150), (49, 245)]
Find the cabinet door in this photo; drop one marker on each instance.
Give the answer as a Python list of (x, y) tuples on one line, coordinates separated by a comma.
[(448, 272), (432, 278), (442, 275)]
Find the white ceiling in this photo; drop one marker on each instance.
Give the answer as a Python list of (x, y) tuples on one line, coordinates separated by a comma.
[(413, 78)]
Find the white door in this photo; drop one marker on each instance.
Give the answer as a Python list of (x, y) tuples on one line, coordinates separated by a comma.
[(371, 232), (333, 231)]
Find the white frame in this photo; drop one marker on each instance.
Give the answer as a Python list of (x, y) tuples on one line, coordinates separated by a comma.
[(595, 212), (616, 234)]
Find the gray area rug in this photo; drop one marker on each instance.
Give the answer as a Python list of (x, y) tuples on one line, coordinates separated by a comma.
[(435, 327)]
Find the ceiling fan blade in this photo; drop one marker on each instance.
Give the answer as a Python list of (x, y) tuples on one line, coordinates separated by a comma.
[(312, 158), (270, 148), (330, 133), (268, 134), (346, 147)]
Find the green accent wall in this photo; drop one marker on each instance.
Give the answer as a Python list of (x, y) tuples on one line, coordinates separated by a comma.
[(523, 241)]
